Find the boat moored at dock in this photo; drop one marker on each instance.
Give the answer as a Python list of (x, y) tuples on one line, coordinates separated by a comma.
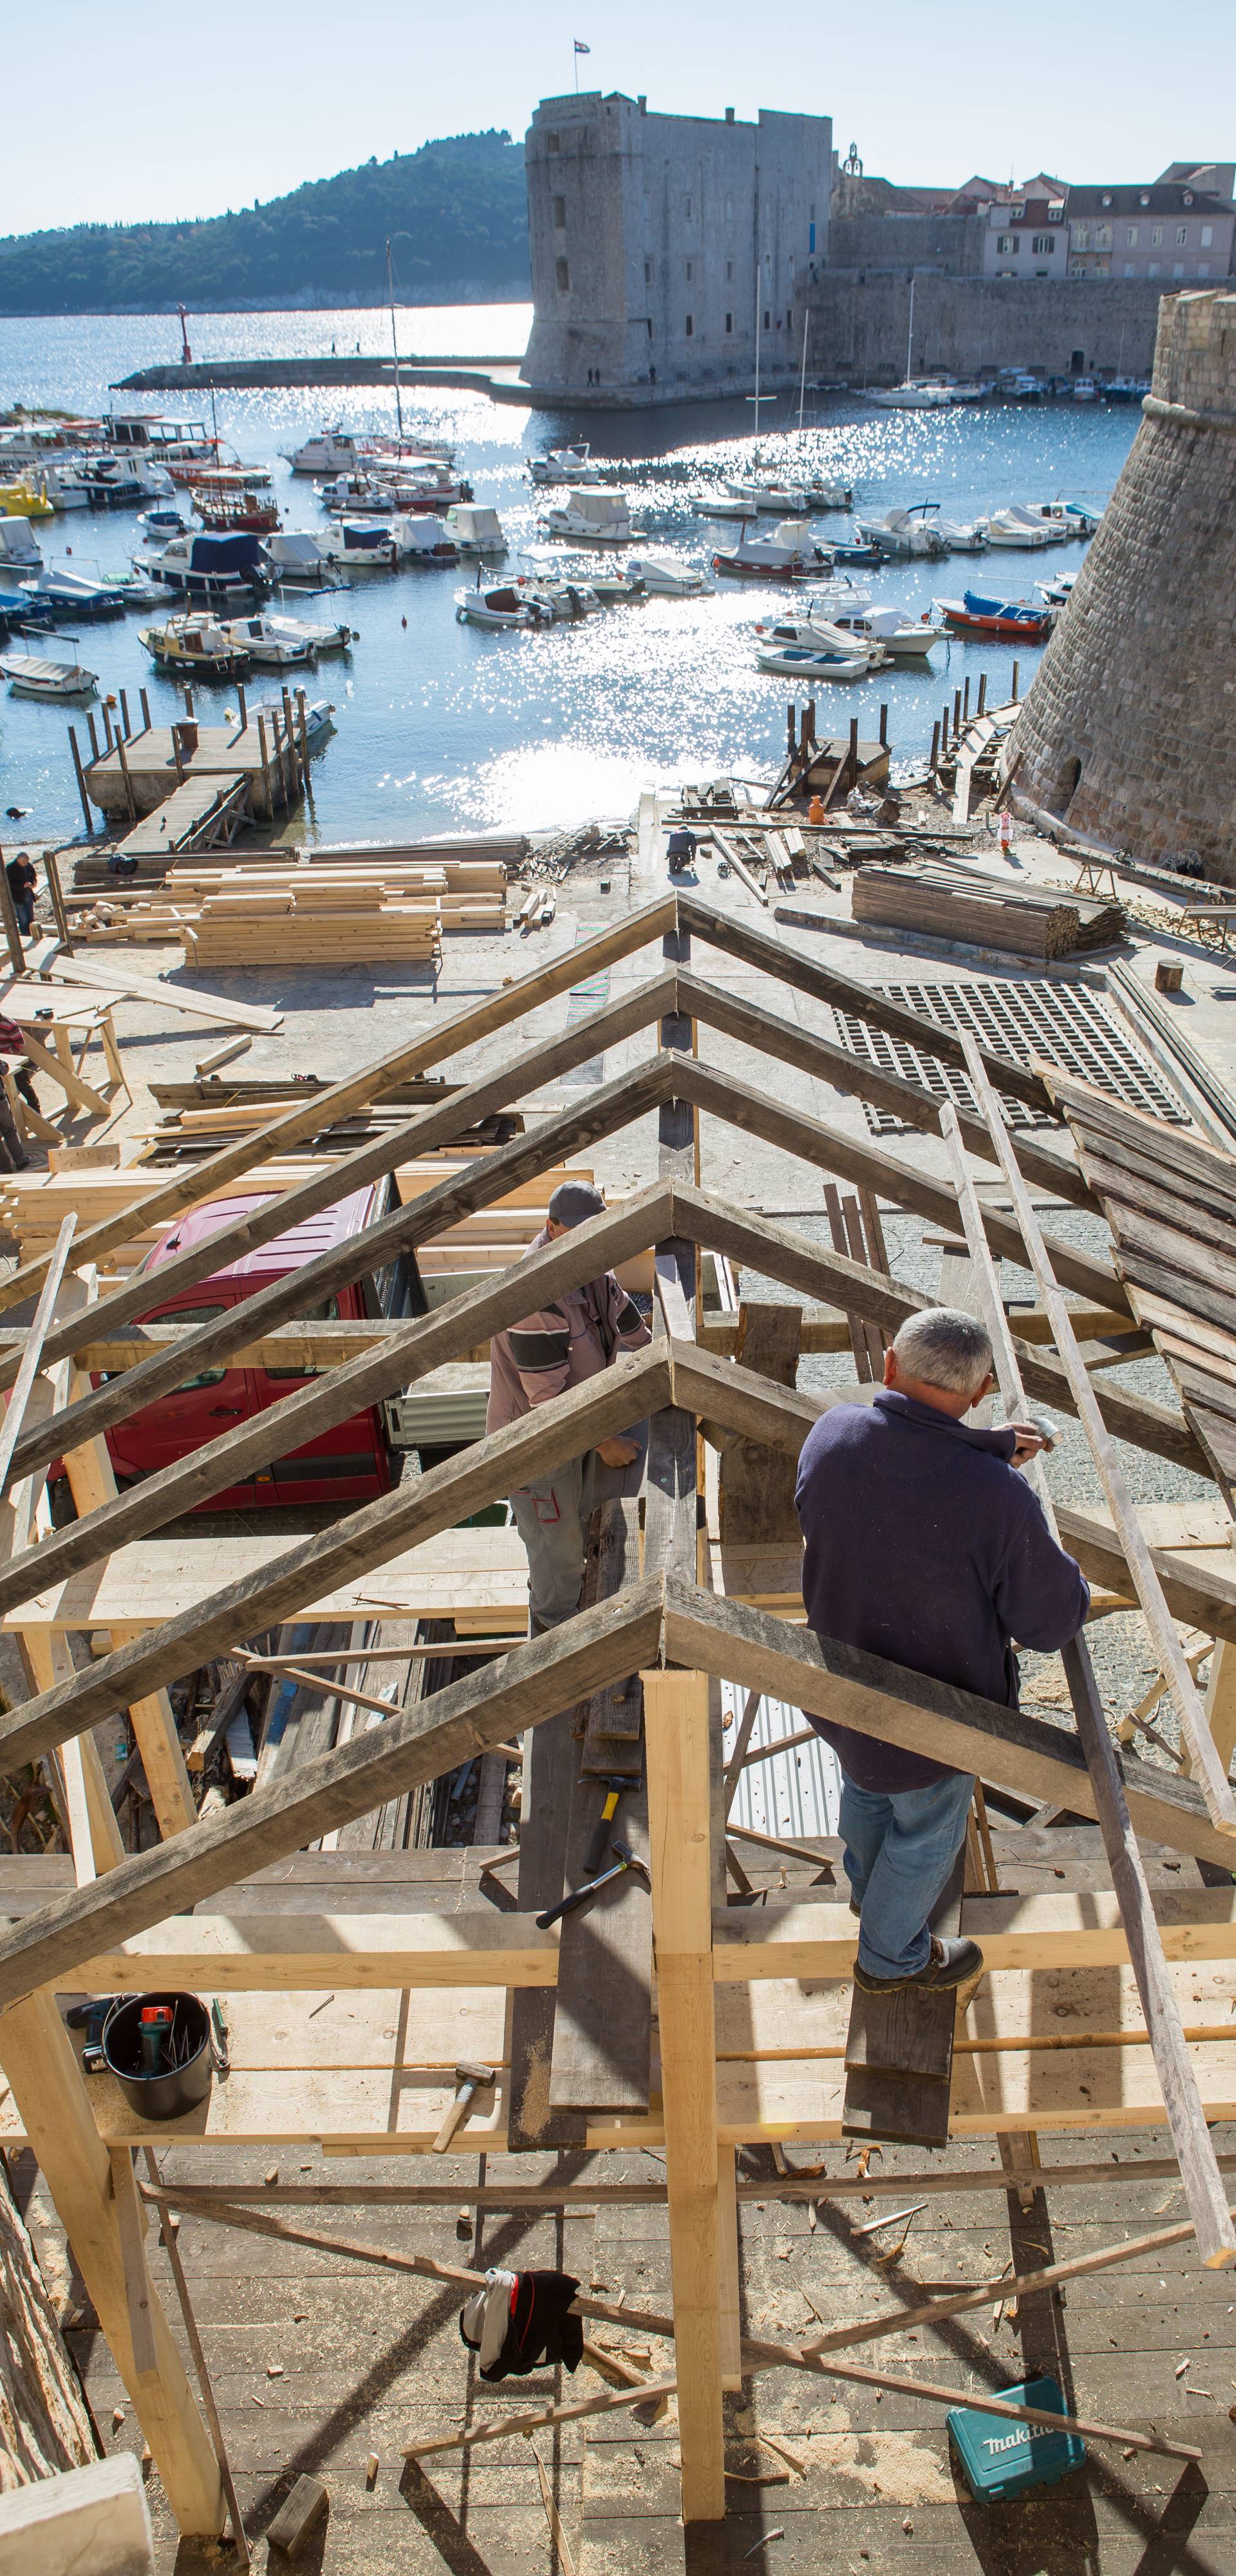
[(788, 554), (594, 518), (196, 647), (974, 614), (39, 675)]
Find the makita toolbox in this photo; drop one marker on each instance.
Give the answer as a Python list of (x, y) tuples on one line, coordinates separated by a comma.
[(1000, 2458)]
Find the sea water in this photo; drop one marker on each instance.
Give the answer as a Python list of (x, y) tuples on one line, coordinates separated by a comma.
[(442, 726)]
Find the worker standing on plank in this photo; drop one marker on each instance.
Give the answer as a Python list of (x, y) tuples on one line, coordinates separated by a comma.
[(557, 1347), (924, 1546)]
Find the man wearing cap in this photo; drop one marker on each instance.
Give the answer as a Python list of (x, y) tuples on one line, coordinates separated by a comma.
[(538, 1358)]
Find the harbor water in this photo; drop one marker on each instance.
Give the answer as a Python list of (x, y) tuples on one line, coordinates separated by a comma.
[(443, 726)]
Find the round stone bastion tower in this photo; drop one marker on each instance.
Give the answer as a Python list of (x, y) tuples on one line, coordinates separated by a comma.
[(1128, 733)]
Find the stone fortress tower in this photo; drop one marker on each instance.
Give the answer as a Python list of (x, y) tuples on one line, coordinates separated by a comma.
[(1129, 730), (648, 235)]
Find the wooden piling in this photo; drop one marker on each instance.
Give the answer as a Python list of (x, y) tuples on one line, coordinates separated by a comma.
[(302, 710), (189, 704), (262, 746), (956, 713), (965, 702), (295, 782), (241, 703), (180, 767), (145, 704), (94, 739), (1013, 690), (124, 716), (934, 762), (884, 727), (51, 870), (982, 691), (81, 779), (107, 726), (852, 755)]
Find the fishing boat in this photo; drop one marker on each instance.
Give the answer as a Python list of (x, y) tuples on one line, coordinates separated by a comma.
[(594, 518), (1068, 518), (566, 465), (1018, 619), (161, 524), (61, 484), (1020, 528), (22, 500), (905, 535), (226, 499), (113, 482), (812, 662), (425, 542), (504, 603), (195, 646), (787, 555), (295, 555), (276, 640), (362, 545), (663, 577), (423, 486), (900, 637), (35, 675), (475, 531), (329, 451)]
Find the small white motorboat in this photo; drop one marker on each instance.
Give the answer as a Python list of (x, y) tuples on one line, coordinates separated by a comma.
[(329, 451), (909, 397), (567, 596), (611, 583), (475, 531), (162, 522), (425, 486), (293, 554), (812, 662), (721, 505), (900, 637), (19, 546), (140, 588), (839, 594), (504, 603), (361, 545), (423, 541), (962, 536), (61, 484), (566, 465), (594, 518), (277, 640), (788, 554), (663, 577), (1059, 592), (346, 494), (970, 391), (318, 713), (905, 535), (38, 675), (1021, 528), (1068, 518)]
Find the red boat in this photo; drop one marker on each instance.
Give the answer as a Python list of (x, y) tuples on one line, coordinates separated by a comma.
[(1012, 620), (226, 500)]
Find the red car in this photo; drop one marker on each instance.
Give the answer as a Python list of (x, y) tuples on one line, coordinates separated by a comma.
[(350, 1463)]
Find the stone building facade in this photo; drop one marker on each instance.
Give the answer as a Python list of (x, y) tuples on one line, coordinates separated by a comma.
[(661, 243), (1128, 732), (970, 326)]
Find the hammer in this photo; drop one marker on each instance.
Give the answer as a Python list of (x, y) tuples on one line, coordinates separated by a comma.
[(468, 2080), (615, 1786), (627, 1859)]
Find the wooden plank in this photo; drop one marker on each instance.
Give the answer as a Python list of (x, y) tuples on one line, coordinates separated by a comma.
[(1199, 2173), (32, 1356), (50, 2092), (408, 1352), (462, 1029), (131, 2228), (532, 1683), (614, 1720), (825, 1678), (237, 1952), (755, 1026), (676, 1726), (120, 985), (603, 2019), (757, 1483), (806, 1940)]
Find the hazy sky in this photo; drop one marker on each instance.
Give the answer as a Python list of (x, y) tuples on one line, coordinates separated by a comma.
[(113, 118)]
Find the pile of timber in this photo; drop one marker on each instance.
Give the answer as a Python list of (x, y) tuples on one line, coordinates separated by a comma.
[(307, 913), (1032, 921)]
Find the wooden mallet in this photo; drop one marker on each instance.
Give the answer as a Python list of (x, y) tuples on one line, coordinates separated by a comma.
[(468, 2080)]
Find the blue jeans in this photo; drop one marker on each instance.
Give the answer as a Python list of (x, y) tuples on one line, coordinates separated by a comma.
[(899, 1850)]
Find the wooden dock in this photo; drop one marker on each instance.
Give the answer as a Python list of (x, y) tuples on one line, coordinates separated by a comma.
[(137, 775)]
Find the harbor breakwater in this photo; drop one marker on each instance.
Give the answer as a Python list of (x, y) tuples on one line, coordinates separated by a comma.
[(498, 376)]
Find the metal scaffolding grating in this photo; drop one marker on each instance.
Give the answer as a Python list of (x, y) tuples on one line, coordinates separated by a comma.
[(1066, 1025)]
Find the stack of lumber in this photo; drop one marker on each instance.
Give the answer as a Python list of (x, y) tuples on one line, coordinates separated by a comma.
[(308, 913), (1032, 921)]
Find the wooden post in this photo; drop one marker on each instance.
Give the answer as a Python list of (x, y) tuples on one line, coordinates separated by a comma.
[(94, 739), (189, 704), (982, 691), (130, 798), (49, 2091), (1221, 1704), (934, 761), (107, 725), (262, 746), (8, 915), (884, 726), (729, 2263), (243, 704), (944, 729), (1013, 690), (853, 752), (81, 779), (679, 1804), (145, 709), (303, 712), (51, 870), (124, 715), (965, 701), (956, 713)]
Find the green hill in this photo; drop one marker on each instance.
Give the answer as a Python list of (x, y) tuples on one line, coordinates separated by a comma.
[(455, 214)]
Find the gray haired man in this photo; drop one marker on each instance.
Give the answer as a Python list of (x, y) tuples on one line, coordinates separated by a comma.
[(923, 1545), (558, 1346)]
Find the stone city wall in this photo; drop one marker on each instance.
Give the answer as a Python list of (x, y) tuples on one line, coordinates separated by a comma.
[(860, 322), (1129, 730)]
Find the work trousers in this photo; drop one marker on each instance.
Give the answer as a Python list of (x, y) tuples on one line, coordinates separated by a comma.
[(899, 1849), (551, 1517)]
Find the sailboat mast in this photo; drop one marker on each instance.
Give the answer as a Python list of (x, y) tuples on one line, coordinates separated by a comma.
[(758, 291), (802, 380), (910, 333), (390, 292)]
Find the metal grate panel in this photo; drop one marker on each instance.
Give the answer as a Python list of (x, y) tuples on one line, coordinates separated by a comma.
[(1064, 1023)]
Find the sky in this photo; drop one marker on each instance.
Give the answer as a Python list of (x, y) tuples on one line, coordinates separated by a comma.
[(127, 120)]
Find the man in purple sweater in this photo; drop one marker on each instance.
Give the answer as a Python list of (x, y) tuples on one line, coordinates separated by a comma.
[(923, 1545)]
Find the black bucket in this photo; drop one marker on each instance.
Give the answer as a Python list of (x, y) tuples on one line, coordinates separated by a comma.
[(182, 2075)]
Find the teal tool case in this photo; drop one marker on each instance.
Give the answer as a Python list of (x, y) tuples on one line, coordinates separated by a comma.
[(1000, 2458)]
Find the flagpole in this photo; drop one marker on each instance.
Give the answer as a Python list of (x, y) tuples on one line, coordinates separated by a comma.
[(575, 60)]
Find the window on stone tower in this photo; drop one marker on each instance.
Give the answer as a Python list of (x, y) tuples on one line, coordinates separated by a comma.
[(688, 210), (560, 214), (552, 143), (690, 271), (767, 321), (564, 277), (690, 326), (729, 272), (648, 272), (729, 322), (1208, 234)]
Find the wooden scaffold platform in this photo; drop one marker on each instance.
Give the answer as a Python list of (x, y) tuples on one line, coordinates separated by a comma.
[(671, 2014)]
